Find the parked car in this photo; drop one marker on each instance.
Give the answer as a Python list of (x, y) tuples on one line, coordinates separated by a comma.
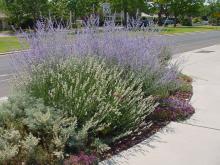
[(168, 21), (145, 22), (205, 22)]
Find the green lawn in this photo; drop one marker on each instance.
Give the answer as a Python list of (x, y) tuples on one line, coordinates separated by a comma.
[(184, 29), (8, 44)]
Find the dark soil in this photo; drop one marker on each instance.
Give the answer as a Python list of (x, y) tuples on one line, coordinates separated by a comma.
[(133, 139)]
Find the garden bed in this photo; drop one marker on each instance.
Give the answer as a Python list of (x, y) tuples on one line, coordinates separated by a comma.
[(84, 98)]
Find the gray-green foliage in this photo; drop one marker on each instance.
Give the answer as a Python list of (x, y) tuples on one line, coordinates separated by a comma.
[(72, 105), (103, 97), (32, 131)]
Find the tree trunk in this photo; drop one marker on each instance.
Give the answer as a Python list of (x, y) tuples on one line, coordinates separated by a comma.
[(160, 23), (125, 8), (175, 20), (190, 20)]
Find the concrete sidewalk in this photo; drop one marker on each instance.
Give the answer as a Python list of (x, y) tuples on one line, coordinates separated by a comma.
[(193, 142)]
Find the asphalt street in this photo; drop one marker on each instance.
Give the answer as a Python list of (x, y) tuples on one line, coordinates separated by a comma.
[(180, 43), (192, 41)]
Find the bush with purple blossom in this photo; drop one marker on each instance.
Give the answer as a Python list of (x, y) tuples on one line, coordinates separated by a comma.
[(173, 109), (99, 84), (81, 159), (146, 55)]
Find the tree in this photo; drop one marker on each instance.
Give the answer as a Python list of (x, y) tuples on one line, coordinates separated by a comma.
[(86, 7), (182, 8), (2, 5), (128, 6), (162, 6), (61, 8), (178, 8), (23, 12), (214, 11)]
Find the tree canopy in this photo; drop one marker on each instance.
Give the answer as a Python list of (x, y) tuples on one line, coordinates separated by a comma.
[(27, 11), (178, 8), (22, 11)]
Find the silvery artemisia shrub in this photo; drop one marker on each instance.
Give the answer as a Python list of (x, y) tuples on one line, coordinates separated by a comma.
[(33, 133)]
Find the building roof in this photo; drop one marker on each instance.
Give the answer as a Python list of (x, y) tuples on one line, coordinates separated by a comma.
[(148, 16)]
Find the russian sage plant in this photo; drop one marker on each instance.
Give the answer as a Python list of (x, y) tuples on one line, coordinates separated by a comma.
[(147, 55)]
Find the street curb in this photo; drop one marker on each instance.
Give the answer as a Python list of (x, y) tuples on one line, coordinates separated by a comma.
[(179, 34), (13, 52), (178, 55)]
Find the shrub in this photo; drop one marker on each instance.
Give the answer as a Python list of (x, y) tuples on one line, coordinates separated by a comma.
[(81, 159), (186, 22), (173, 109), (92, 91), (32, 132), (147, 55), (185, 84), (197, 20)]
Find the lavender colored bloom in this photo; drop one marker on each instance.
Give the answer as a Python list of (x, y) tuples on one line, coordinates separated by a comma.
[(82, 159), (174, 109), (177, 103), (142, 52)]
